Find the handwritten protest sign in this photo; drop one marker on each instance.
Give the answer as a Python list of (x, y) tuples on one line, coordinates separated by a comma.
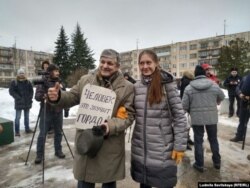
[(96, 106)]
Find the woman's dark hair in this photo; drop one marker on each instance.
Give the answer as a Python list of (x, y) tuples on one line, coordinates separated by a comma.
[(155, 88), (45, 62)]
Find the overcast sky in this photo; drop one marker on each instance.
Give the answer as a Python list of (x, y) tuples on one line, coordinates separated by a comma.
[(117, 24)]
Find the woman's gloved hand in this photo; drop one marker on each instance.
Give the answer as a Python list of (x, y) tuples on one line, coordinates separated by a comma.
[(177, 156), (122, 113)]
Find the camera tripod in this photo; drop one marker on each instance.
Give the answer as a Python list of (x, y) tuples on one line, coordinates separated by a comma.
[(44, 137)]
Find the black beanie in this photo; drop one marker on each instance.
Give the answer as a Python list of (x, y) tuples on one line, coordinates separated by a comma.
[(52, 67), (234, 69), (199, 71)]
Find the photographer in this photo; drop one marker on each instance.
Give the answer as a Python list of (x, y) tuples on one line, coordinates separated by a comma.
[(49, 115), (45, 65)]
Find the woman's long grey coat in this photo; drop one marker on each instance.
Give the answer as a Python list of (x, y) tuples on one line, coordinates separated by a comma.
[(156, 134)]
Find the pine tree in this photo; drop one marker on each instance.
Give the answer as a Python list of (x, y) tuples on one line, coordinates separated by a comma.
[(61, 54), (233, 55), (81, 56)]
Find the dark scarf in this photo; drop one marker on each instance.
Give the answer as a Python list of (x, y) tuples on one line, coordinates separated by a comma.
[(107, 81), (21, 78), (146, 79)]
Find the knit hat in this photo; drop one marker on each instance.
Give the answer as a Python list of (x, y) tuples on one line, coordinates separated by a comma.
[(52, 67), (112, 54), (199, 70), (206, 66), (20, 72)]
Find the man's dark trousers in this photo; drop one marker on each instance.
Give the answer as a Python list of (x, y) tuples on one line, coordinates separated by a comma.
[(198, 143)]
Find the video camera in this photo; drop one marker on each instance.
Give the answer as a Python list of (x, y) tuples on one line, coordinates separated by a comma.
[(45, 80), (43, 73)]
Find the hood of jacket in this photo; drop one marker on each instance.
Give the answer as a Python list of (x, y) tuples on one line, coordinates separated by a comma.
[(201, 83), (166, 77)]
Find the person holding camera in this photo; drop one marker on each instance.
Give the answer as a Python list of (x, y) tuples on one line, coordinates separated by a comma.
[(45, 65), (108, 165), (49, 115), (22, 91)]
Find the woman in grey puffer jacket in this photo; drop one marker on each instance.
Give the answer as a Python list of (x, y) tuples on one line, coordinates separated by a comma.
[(160, 134)]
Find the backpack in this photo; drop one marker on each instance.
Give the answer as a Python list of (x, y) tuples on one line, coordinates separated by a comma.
[(246, 86)]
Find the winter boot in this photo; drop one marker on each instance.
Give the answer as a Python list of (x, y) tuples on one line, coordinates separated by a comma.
[(38, 159), (60, 154)]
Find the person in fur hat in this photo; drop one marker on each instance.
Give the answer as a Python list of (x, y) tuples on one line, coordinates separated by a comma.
[(22, 91)]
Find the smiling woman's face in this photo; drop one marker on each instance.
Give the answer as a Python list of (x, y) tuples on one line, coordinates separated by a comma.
[(147, 65)]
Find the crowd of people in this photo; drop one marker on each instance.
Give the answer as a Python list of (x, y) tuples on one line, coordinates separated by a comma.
[(162, 116)]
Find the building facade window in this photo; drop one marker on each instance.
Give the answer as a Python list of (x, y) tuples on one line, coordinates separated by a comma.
[(183, 65), (174, 65), (214, 61), (193, 47), (183, 48), (215, 52), (216, 43), (192, 64), (7, 73), (203, 54), (193, 56), (183, 56), (204, 45)]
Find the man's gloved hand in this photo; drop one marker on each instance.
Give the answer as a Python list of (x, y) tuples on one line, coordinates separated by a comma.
[(122, 113), (66, 113), (177, 156)]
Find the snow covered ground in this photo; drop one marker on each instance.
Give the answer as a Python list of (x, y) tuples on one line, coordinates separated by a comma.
[(7, 110), (58, 172)]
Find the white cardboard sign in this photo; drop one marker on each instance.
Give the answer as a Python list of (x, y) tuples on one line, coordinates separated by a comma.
[(96, 106)]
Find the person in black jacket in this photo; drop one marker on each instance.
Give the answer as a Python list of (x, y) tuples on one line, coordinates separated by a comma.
[(243, 113), (184, 82), (246, 94), (231, 83), (53, 115), (22, 91)]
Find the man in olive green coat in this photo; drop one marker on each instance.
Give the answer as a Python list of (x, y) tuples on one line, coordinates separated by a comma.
[(108, 165)]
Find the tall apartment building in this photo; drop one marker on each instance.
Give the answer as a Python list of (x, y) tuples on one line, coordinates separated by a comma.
[(181, 56), (11, 59)]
